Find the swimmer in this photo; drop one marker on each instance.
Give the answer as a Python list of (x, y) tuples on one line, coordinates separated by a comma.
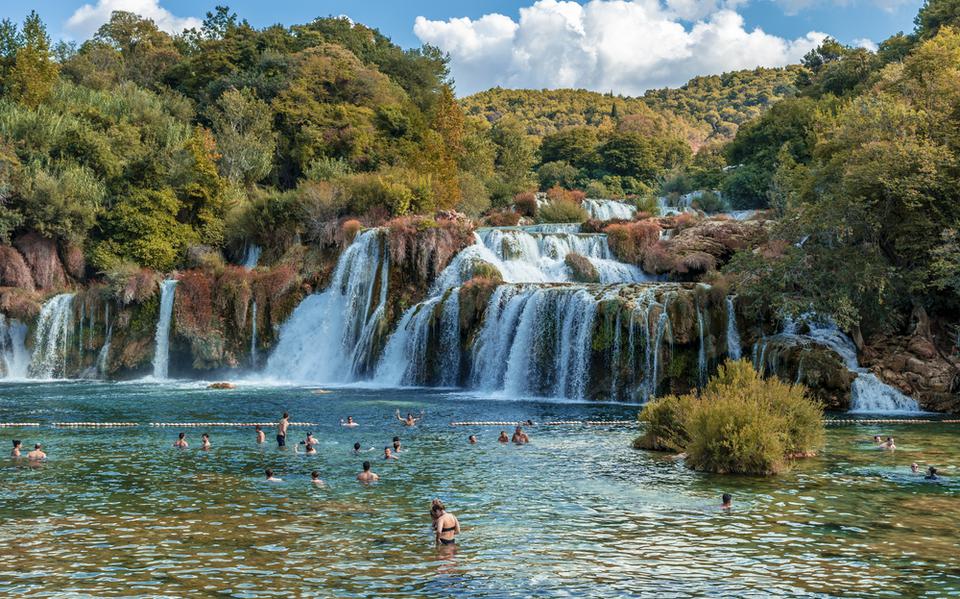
[(388, 455), (877, 439), (271, 478), (503, 438), (315, 479), (356, 448), (282, 427), (445, 525), (15, 452), (348, 422), (181, 442), (931, 474), (311, 440), (915, 468), (310, 449), (367, 476), (37, 454), (409, 420), (727, 501), (396, 445), (261, 436), (205, 442), (520, 437), (472, 439), (888, 444)]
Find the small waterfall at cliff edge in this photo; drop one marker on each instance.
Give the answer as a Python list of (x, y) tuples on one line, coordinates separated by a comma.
[(161, 354), (54, 326), (329, 335), (14, 358), (733, 336)]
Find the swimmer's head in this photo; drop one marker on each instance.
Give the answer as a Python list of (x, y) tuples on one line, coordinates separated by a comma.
[(915, 467), (386, 451), (366, 466), (472, 438), (17, 443), (269, 473), (314, 475), (204, 436), (285, 415), (356, 447), (38, 446), (256, 428), (726, 498), (932, 471), (181, 435), (436, 507)]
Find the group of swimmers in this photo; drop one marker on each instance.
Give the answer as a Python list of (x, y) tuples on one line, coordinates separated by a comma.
[(890, 445), (36, 455)]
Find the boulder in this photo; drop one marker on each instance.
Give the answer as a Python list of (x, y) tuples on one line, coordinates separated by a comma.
[(40, 254), (14, 271), (912, 364), (74, 261)]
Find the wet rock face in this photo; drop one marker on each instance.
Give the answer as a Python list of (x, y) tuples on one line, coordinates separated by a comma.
[(14, 271), (701, 247), (914, 365), (41, 256), (811, 364), (582, 270)]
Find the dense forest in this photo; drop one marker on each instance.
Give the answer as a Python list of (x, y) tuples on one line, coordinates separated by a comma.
[(139, 149)]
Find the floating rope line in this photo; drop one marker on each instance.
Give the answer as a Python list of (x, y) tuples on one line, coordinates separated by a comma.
[(93, 424), (18, 424), (551, 423), (227, 424)]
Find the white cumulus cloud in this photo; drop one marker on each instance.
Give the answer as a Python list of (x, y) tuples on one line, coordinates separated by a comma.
[(867, 43), (603, 45), (85, 21)]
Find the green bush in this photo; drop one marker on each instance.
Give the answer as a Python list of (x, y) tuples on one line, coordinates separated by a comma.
[(563, 211), (709, 201), (740, 423)]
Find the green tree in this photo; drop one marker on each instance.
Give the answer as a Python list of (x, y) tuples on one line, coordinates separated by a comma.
[(244, 133), (34, 73), (514, 160), (935, 14)]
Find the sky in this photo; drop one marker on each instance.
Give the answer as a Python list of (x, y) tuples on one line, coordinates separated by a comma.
[(623, 46)]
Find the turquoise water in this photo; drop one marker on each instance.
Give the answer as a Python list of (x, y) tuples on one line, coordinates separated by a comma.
[(119, 512)]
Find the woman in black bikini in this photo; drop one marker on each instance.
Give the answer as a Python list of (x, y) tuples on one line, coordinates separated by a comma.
[(445, 525)]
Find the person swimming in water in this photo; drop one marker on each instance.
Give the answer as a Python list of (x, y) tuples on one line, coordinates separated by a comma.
[(37, 454), (877, 439), (727, 501), (409, 420), (915, 468), (472, 439), (15, 452), (446, 526), (282, 427), (888, 444), (310, 449), (520, 437), (311, 440), (205, 442), (348, 422), (271, 478), (367, 476), (396, 445), (315, 479), (503, 438), (181, 442), (388, 455), (261, 436), (931, 474)]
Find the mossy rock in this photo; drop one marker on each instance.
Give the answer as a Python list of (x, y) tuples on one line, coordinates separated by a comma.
[(581, 269)]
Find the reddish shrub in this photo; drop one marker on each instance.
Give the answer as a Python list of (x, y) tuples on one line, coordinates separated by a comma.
[(14, 271), (504, 218), (193, 304), (233, 293), (630, 241), (40, 254), (657, 259), (348, 230), (525, 204), (423, 246), (19, 303), (139, 286), (74, 261), (559, 194), (577, 196)]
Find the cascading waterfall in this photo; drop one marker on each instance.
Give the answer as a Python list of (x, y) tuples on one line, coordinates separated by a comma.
[(329, 336), (733, 337), (104, 355), (252, 257), (702, 352), (14, 358), (608, 209), (161, 353), (50, 341)]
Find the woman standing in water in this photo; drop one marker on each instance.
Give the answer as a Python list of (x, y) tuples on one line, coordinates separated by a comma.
[(445, 525)]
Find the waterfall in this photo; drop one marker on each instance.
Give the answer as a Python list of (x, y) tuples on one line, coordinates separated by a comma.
[(702, 352), (253, 335), (450, 340), (161, 353), (54, 325), (252, 257), (733, 337), (405, 358), (329, 336), (104, 356), (609, 209), (868, 394), (14, 359)]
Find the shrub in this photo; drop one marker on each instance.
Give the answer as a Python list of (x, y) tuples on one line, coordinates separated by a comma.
[(583, 270), (558, 172), (525, 204), (502, 218), (562, 211), (647, 205), (348, 231), (709, 201), (629, 241), (741, 423)]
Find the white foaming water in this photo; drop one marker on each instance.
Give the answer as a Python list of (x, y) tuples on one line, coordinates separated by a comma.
[(14, 358), (733, 336), (868, 394), (329, 336), (609, 209), (161, 352), (54, 325), (252, 257)]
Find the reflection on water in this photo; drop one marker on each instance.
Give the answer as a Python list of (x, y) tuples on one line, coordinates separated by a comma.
[(576, 513)]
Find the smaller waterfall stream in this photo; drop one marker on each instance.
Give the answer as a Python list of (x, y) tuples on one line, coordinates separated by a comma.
[(733, 337), (608, 209), (104, 356), (54, 326), (14, 358), (161, 354)]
